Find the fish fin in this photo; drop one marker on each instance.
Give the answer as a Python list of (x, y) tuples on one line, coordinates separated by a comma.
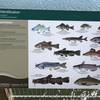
[(50, 48), (78, 52), (88, 76), (57, 46), (92, 50), (49, 76), (72, 27), (85, 39), (83, 62), (48, 28), (80, 37), (63, 65), (66, 79), (49, 42), (64, 49)]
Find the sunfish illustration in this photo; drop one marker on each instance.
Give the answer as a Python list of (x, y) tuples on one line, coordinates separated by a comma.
[(96, 40), (87, 81), (49, 79), (41, 29), (62, 26), (91, 67), (80, 39), (92, 52), (46, 45), (85, 26), (44, 65), (66, 53)]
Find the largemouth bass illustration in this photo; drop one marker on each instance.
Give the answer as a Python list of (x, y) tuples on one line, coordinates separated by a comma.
[(41, 29), (49, 79), (50, 65), (96, 40), (80, 39), (85, 26), (66, 53), (92, 52), (46, 45), (62, 26), (91, 67), (87, 81)]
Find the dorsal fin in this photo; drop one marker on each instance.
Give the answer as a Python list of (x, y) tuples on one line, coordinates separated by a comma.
[(80, 37), (64, 49), (92, 49), (83, 62), (49, 76), (49, 42), (88, 76)]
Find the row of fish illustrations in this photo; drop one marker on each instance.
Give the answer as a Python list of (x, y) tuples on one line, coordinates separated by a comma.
[(86, 81), (63, 52), (57, 65), (43, 29), (43, 45)]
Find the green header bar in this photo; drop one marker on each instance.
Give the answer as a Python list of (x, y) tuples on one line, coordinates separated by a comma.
[(49, 15)]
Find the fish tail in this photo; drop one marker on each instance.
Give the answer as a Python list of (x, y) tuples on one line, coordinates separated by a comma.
[(63, 65), (85, 39), (72, 27), (66, 79), (48, 28), (57, 46), (78, 52), (98, 66)]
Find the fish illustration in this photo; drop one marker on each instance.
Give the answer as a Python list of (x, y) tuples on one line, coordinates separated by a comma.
[(85, 26), (46, 45), (80, 39), (62, 26), (96, 40), (49, 79), (66, 53), (44, 65), (92, 67), (41, 29), (92, 52), (87, 81)]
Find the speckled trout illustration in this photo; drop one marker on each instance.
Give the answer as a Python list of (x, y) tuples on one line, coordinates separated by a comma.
[(66, 53), (92, 67), (46, 45), (87, 81), (92, 52), (80, 39)]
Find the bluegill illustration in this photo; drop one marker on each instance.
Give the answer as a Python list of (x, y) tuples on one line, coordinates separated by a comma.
[(46, 45), (92, 52), (41, 29), (87, 81), (62, 26), (85, 26), (66, 53), (80, 39), (92, 67), (49, 79), (44, 65), (96, 40)]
